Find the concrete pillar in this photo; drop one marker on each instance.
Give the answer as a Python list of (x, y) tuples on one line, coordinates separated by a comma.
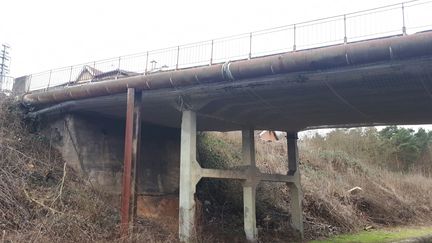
[(189, 176), (249, 186), (131, 158), (295, 187)]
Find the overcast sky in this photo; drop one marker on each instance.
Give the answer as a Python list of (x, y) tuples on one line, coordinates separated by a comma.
[(48, 34)]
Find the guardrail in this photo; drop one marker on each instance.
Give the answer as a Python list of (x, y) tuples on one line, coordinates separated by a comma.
[(398, 19)]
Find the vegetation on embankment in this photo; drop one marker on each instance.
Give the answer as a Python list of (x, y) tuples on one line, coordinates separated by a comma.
[(43, 200), (393, 193)]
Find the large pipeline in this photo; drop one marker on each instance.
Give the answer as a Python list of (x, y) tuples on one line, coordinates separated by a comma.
[(337, 56)]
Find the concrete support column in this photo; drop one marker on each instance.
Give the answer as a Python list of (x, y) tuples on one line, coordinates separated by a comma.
[(131, 158), (295, 187), (249, 186), (189, 176)]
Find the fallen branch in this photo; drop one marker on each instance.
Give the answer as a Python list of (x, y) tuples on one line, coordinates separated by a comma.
[(40, 203), (61, 186)]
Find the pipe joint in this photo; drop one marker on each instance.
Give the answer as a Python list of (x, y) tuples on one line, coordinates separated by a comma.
[(226, 72)]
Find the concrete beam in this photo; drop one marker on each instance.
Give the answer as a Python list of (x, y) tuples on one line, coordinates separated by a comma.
[(131, 157), (223, 174), (249, 186), (245, 175), (277, 178), (189, 176), (295, 187)]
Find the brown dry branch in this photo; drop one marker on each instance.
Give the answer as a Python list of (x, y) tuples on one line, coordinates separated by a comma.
[(40, 203), (61, 186)]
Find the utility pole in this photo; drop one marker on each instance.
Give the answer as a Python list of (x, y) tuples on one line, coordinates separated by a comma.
[(4, 63)]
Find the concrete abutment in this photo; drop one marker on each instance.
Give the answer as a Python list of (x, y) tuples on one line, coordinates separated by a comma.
[(94, 146)]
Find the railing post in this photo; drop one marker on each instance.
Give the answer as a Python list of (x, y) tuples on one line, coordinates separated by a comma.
[(211, 53), (403, 20), (345, 30), (294, 46), (29, 83), (118, 68), (70, 74), (250, 45), (178, 54), (49, 80), (146, 65)]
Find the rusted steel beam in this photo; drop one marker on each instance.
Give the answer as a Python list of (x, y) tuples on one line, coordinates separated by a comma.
[(131, 158)]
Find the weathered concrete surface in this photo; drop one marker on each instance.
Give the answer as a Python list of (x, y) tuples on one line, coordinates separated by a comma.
[(163, 208), (94, 145), (159, 169), (154, 206), (295, 191), (249, 186), (189, 177)]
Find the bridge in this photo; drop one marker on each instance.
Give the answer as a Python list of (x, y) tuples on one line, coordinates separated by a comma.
[(289, 82)]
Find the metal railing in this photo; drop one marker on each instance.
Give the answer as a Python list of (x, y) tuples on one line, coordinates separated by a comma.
[(398, 19)]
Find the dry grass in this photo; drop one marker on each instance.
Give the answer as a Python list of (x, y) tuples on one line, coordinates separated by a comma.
[(328, 172), (41, 199)]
